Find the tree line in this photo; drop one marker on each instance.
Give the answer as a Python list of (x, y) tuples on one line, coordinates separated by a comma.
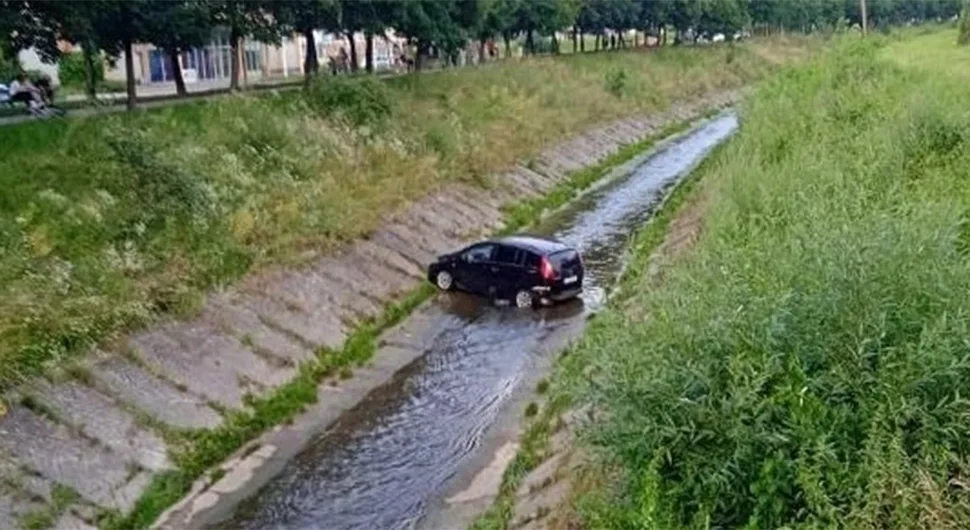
[(111, 27)]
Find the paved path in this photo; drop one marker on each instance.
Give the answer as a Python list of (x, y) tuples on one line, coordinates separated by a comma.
[(160, 96), (115, 102)]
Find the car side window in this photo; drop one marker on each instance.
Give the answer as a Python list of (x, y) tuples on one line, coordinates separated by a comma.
[(479, 254), (531, 260), (507, 255)]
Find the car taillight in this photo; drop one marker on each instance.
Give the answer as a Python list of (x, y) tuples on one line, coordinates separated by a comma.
[(546, 270)]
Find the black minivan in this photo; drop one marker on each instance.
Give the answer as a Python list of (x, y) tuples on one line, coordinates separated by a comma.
[(528, 270)]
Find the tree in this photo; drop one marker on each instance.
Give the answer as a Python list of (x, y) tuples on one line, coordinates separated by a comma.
[(963, 38), (544, 17), (28, 25), (175, 26), (498, 16), (371, 17), (590, 19), (442, 24), (684, 16), (76, 23), (305, 16), (653, 16), (722, 16), (116, 26), (260, 19)]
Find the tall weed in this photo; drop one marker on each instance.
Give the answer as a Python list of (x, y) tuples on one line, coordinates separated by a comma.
[(806, 365)]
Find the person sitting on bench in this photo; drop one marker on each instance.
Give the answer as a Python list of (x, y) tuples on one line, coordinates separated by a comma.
[(22, 90)]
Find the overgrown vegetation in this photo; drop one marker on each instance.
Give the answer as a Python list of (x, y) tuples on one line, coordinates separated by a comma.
[(804, 365), (108, 222), (71, 70)]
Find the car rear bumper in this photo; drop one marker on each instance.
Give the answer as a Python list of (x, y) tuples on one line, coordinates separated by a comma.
[(559, 296), (558, 293)]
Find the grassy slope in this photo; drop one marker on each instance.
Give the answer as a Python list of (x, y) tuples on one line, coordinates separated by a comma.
[(806, 364), (106, 223)]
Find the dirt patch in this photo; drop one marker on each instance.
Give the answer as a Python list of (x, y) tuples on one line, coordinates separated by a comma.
[(682, 233)]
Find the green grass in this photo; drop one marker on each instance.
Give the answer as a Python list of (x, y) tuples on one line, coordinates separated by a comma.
[(935, 53), (805, 365), (61, 499), (109, 222)]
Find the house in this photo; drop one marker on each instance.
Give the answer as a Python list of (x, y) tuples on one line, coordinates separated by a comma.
[(213, 62)]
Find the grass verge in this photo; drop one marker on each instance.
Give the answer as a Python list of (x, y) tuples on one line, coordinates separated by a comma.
[(535, 441), (805, 364), (200, 451), (109, 222)]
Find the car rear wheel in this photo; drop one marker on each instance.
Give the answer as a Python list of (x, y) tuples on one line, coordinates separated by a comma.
[(524, 299), (444, 281)]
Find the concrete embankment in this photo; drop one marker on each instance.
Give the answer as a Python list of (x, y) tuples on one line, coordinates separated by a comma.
[(90, 439)]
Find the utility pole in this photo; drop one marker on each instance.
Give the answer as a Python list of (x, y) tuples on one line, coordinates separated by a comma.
[(865, 21)]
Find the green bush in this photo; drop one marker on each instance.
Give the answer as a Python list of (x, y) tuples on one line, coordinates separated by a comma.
[(9, 67), (71, 70), (617, 82), (363, 101), (806, 364)]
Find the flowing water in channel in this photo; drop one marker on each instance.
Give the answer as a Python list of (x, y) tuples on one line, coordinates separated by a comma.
[(381, 463)]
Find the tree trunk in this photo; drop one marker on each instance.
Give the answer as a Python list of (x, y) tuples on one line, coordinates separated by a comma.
[(555, 44), (173, 59), (596, 43), (90, 83), (481, 50), (620, 41), (354, 64), (582, 42), (530, 43), (311, 63), (130, 76), (508, 45), (575, 42), (369, 52), (419, 51), (234, 40)]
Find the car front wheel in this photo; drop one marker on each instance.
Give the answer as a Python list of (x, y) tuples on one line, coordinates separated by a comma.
[(445, 281)]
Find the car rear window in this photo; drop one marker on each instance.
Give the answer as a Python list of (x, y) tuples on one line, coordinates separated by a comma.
[(566, 258)]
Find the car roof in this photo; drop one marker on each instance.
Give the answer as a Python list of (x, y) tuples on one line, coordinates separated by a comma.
[(537, 244)]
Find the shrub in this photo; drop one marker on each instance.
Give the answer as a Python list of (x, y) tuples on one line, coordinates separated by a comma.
[(71, 70), (363, 101), (616, 82), (9, 67)]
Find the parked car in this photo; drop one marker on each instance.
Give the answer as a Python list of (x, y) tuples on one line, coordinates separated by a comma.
[(528, 270)]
